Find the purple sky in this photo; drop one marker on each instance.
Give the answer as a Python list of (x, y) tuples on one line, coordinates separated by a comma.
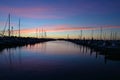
[(54, 13)]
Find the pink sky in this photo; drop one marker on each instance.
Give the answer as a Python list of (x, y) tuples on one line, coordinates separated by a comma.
[(34, 12), (62, 28)]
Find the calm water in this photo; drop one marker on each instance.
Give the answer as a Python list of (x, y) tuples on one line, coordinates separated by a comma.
[(57, 60)]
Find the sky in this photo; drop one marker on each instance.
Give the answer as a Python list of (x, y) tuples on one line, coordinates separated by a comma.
[(60, 18)]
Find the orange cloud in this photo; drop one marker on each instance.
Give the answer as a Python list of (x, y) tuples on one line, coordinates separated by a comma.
[(61, 28), (24, 31), (72, 28)]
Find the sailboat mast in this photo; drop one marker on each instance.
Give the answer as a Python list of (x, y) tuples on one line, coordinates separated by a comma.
[(100, 33), (19, 27), (36, 33), (81, 35), (9, 26), (92, 34), (42, 32)]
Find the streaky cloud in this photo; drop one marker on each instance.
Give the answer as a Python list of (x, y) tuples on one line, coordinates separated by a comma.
[(63, 28)]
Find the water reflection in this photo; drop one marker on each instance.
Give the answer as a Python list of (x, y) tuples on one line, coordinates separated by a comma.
[(58, 48), (56, 58), (20, 55)]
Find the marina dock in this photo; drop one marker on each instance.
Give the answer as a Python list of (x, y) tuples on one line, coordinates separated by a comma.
[(99, 45), (20, 41)]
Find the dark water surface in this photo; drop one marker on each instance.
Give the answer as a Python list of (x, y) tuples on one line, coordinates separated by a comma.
[(56, 60)]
